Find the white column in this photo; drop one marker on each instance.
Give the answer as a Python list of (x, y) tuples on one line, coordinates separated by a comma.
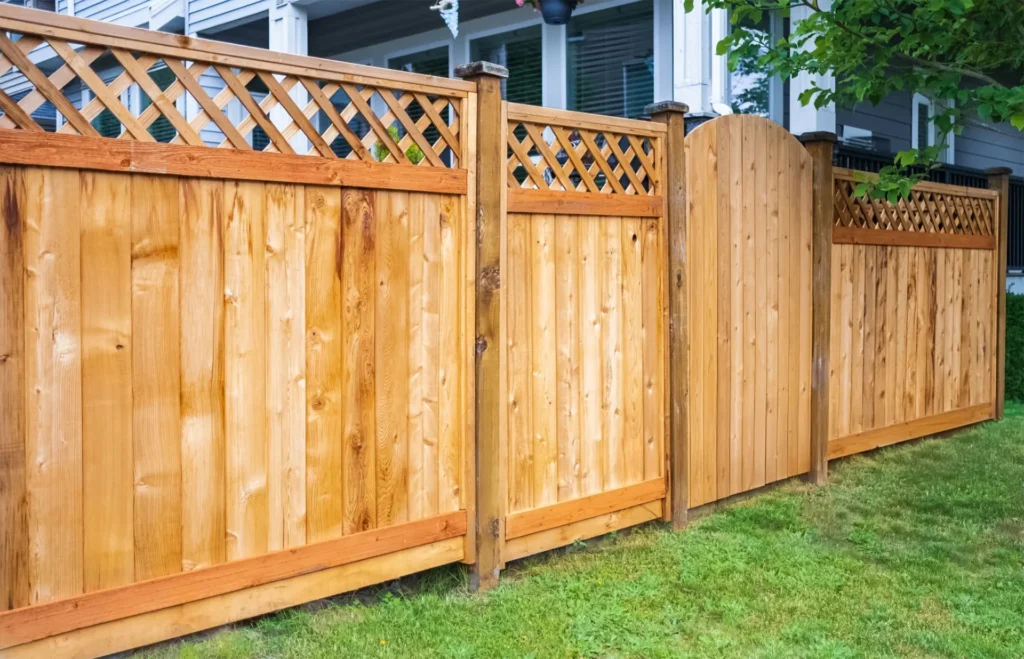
[(664, 55), (691, 36), (289, 33), (458, 53), (721, 82), (808, 119), (554, 62)]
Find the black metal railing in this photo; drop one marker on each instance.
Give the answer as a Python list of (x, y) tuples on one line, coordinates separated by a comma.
[(872, 161)]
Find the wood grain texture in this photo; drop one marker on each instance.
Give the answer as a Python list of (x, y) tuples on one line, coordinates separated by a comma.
[(749, 186), (358, 276), (156, 389), (203, 496), (286, 365), (245, 365), (584, 375), (392, 372), (107, 449), (324, 365), (53, 382), (14, 519), (923, 351)]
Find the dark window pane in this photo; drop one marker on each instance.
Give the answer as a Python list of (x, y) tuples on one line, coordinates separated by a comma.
[(518, 51), (922, 126), (611, 60)]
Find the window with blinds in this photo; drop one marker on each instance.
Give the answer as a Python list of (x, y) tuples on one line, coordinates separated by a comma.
[(518, 51), (611, 60)]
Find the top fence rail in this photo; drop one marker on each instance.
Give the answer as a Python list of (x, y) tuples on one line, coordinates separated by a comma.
[(82, 77)]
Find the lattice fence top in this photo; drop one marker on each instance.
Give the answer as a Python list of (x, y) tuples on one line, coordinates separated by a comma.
[(84, 78), (569, 151), (931, 208)]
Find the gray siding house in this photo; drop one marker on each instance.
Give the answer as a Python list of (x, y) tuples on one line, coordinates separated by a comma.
[(614, 57)]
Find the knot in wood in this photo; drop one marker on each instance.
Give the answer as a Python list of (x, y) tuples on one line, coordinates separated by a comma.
[(481, 345), (490, 278)]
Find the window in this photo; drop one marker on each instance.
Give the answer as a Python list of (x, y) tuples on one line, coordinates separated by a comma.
[(922, 128), (611, 60), (752, 91), (518, 51), (433, 62)]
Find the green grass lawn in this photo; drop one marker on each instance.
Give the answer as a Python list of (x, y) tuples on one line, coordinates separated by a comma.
[(916, 550)]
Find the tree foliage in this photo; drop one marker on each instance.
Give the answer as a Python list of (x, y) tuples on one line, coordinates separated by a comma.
[(970, 52)]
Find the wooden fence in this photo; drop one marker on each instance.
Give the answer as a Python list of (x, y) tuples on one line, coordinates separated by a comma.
[(915, 291), (585, 366), (225, 370), (420, 326)]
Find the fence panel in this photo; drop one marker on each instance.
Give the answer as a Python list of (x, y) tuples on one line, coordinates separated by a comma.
[(585, 365), (233, 380), (914, 290), (749, 269)]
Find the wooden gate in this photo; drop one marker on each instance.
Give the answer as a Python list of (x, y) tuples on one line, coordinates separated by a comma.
[(585, 361), (749, 279)]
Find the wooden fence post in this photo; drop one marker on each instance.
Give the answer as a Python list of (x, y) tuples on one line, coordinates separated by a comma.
[(674, 190), (999, 179), (490, 179), (820, 146)]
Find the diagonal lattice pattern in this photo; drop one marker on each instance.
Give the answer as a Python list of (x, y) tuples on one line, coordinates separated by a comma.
[(548, 156), (106, 90), (931, 208)]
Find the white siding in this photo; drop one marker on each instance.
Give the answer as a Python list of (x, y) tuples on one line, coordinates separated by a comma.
[(211, 15), (979, 146)]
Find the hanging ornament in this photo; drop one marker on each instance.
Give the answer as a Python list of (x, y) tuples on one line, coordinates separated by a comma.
[(450, 13)]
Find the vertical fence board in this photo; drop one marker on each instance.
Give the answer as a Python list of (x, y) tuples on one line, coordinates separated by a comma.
[(592, 355), (430, 304), (654, 365), (107, 452), (156, 383), (14, 527), (358, 278), (412, 346), (453, 438), (771, 256), (245, 369), (567, 333), (202, 373), (53, 379), (324, 365), (544, 359), (286, 365), (392, 384), (612, 366), (520, 364), (724, 292), (631, 233)]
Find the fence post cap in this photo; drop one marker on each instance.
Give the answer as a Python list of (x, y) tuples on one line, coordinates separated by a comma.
[(474, 69), (666, 106), (818, 136), (999, 171)]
